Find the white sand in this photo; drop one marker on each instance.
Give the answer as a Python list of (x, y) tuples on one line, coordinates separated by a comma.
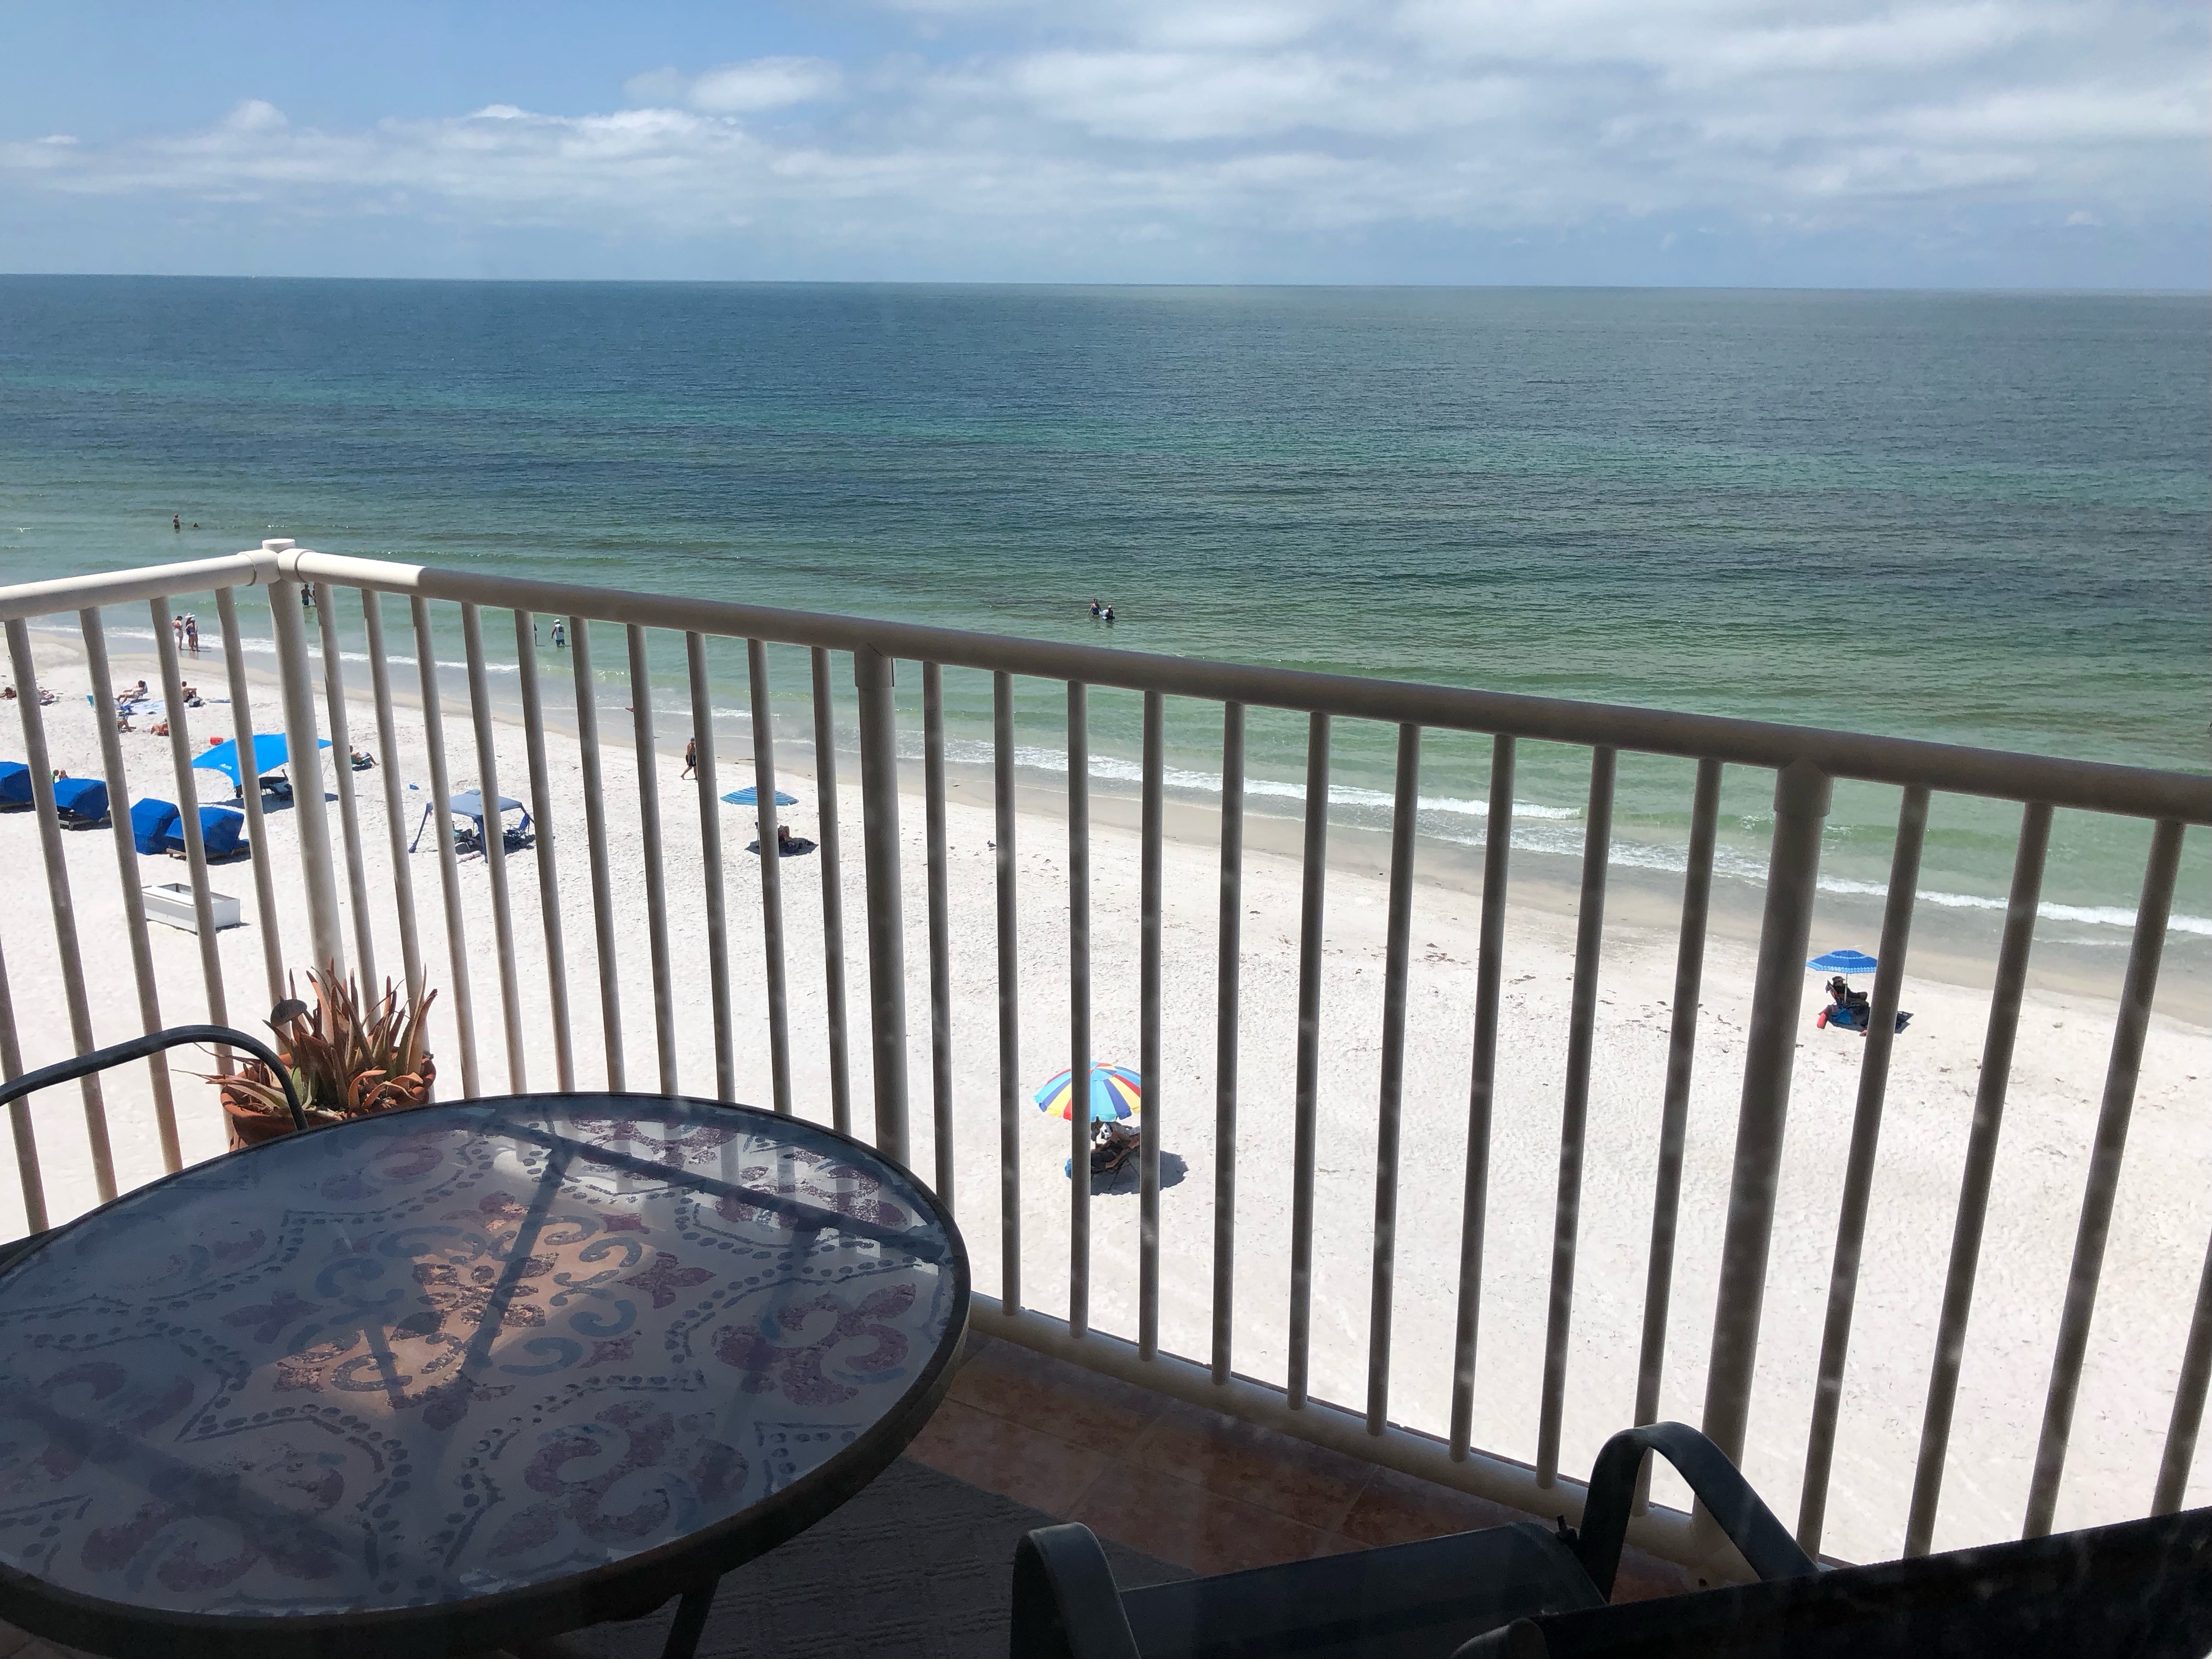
[(2157, 1244)]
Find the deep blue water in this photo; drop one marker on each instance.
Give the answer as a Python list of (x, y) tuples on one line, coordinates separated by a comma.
[(1981, 518)]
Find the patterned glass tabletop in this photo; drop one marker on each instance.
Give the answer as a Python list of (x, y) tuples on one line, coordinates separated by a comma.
[(455, 1352)]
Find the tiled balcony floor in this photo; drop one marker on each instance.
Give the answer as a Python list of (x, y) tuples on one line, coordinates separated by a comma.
[(1189, 1486)]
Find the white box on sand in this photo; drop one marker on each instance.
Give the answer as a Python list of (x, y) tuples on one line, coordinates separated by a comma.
[(172, 902)]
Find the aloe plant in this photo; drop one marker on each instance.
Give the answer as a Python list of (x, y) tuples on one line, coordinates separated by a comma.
[(346, 1059)]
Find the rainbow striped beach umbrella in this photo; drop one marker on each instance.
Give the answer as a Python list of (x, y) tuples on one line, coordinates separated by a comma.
[(1115, 1093)]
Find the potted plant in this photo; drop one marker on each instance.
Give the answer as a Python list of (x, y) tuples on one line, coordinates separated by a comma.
[(346, 1059)]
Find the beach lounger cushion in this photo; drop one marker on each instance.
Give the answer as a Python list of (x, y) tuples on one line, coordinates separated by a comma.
[(82, 800), (14, 784), (221, 832), (150, 820)]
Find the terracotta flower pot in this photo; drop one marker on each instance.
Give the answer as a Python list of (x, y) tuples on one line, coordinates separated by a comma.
[(250, 1125)]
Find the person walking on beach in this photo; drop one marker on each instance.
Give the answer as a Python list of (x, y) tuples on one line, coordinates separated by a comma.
[(690, 756), (191, 634)]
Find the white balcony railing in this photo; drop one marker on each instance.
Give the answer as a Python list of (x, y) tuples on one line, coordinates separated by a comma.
[(356, 898)]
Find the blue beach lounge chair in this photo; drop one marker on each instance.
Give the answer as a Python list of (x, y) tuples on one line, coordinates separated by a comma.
[(150, 820), (14, 784), (223, 830), (81, 800)]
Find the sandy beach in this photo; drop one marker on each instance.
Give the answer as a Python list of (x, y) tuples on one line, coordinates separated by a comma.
[(2164, 1211)]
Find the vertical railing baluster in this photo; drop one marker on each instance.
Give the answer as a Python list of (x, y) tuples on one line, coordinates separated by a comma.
[(1153, 836), (1777, 998), (1474, 1197), (1079, 1008), (1859, 1166), (1397, 954), (710, 872), (334, 699), (833, 894), (549, 874), (595, 843), (28, 1176), (128, 878), (873, 678), (59, 897), (1981, 1166), (1226, 1022), (1674, 1100), (449, 867), (1010, 994), (395, 826), (303, 761), (2121, 1073), (1582, 1032), (241, 728), (941, 925), (1306, 1127), (779, 1013), (2188, 1390), (188, 820), (656, 879), (495, 848)]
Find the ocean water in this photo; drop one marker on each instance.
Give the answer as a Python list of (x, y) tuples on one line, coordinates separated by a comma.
[(1979, 519)]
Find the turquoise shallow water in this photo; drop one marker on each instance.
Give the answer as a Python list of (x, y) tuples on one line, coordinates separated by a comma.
[(1980, 519)]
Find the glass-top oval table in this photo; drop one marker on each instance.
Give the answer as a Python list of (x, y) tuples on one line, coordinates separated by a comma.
[(445, 1380)]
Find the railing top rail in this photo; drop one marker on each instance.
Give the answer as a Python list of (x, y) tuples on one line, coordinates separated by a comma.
[(2092, 786)]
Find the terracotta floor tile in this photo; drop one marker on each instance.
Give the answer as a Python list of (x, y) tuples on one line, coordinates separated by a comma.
[(1189, 1525), (1335, 1543), (1008, 1458), (1305, 1482), (1643, 1577), (1101, 1413), (1396, 1508)]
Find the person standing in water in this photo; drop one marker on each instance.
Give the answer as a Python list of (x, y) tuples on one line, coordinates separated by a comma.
[(559, 634), (177, 626), (191, 634), (177, 522)]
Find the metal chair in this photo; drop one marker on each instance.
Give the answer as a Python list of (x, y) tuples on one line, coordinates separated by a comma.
[(1519, 1592), (1418, 1599), (153, 1042), (2142, 1588)]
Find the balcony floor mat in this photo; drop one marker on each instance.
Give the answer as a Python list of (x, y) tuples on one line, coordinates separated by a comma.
[(919, 1564)]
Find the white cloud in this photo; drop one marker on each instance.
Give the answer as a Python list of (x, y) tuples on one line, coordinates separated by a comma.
[(746, 88), (1169, 122)]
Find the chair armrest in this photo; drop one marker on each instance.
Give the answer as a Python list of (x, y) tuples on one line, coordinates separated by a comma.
[(152, 1043), (1765, 1543), (1066, 1605)]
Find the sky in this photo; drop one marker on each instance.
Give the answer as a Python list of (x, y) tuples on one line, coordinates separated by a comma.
[(2038, 144)]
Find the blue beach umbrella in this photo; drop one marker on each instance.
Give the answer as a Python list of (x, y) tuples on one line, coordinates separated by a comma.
[(270, 750), (1843, 962), (1115, 1094), (750, 796)]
